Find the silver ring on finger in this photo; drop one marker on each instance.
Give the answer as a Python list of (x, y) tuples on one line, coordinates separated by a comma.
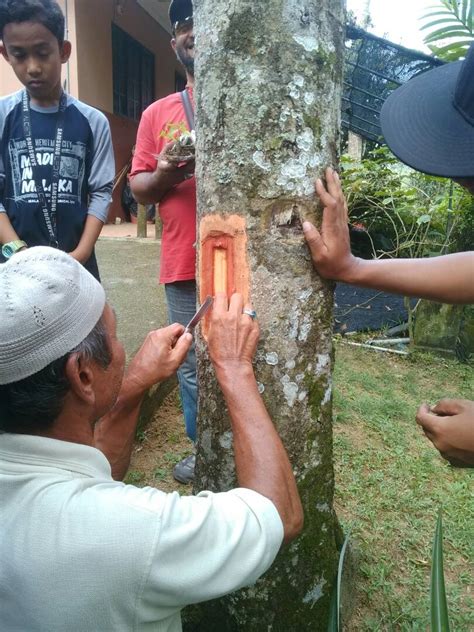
[(250, 312)]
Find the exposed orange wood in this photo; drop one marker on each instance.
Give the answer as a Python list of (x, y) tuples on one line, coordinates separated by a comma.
[(220, 270), (223, 265)]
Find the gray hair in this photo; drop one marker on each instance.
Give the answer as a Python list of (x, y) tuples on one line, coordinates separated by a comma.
[(34, 403)]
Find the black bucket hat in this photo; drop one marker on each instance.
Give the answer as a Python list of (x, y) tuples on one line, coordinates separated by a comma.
[(428, 123), (180, 11)]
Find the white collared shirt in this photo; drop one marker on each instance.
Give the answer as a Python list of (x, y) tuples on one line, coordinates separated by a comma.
[(81, 552)]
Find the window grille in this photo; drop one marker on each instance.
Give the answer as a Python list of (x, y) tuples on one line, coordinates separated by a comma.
[(133, 75)]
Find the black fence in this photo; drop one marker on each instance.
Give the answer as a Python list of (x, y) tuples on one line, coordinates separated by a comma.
[(374, 67)]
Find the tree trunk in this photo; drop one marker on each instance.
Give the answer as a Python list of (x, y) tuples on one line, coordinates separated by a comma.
[(268, 113), (141, 221)]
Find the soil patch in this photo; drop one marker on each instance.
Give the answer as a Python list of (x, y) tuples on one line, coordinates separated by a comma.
[(159, 447)]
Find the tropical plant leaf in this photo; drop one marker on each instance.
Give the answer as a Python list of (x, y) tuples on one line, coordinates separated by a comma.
[(466, 7), (334, 622), (454, 7), (439, 606), (454, 20), (340, 568), (445, 33), (424, 219), (453, 51), (435, 14), (434, 23), (448, 56)]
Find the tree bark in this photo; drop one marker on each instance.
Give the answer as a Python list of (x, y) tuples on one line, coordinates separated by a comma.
[(268, 87)]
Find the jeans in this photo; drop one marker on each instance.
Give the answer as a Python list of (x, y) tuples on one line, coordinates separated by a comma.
[(181, 300)]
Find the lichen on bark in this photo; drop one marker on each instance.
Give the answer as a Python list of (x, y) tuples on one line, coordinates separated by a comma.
[(268, 75)]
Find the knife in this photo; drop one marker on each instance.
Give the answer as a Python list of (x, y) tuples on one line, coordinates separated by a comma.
[(198, 315)]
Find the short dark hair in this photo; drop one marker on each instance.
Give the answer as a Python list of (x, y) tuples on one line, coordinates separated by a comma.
[(34, 403), (46, 12)]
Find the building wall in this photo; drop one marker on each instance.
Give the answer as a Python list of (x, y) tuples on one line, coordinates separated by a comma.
[(124, 133), (88, 74), (70, 69), (94, 48), (93, 23)]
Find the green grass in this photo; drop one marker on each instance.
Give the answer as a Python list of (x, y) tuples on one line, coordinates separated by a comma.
[(390, 483), (133, 477)]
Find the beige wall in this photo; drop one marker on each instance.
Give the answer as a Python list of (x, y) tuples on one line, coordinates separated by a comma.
[(88, 74), (70, 70), (93, 22)]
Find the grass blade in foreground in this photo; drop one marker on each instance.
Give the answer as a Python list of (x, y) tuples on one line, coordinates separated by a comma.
[(334, 624), (439, 606)]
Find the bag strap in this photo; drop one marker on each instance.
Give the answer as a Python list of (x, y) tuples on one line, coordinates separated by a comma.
[(188, 109)]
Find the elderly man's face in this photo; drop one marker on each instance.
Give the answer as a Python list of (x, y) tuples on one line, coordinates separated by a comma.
[(183, 45)]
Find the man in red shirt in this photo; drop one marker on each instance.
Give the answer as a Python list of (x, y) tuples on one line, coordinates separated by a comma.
[(156, 179)]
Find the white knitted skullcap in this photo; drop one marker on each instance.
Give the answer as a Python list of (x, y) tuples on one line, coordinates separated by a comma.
[(48, 304)]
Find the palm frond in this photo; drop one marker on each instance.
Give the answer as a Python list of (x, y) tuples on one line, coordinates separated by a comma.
[(452, 52), (434, 23), (454, 21)]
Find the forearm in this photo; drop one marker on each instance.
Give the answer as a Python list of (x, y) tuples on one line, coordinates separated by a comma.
[(114, 434), (90, 235), (158, 358), (261, 460), (448, 279), (151, 187), (7, 232)]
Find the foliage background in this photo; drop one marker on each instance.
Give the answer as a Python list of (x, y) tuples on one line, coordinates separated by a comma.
[(404, 213)]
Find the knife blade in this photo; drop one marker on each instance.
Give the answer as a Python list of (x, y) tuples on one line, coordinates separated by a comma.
[(198, 315)]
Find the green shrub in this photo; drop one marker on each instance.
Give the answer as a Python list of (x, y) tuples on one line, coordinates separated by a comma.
[(404, 213)]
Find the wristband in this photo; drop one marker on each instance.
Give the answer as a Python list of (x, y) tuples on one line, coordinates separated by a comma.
[(12, 247)]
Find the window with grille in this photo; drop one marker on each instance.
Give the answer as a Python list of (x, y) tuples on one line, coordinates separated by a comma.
[(133, 75), (374, 67)]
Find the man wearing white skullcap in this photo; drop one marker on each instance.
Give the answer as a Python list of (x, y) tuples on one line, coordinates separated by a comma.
[(78, 549)]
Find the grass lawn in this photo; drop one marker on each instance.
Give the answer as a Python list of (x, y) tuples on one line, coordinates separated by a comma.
[(390, 483)]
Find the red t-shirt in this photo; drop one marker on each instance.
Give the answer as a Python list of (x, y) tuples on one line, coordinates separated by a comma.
[(163, 121)]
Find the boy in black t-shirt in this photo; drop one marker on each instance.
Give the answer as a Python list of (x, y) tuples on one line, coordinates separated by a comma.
[(56, 154)]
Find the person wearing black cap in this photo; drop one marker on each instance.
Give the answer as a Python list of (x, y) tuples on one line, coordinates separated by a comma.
[(181, 14), (428, 123), (156, 177)]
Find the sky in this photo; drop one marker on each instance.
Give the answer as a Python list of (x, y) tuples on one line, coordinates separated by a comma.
[(395, 20)]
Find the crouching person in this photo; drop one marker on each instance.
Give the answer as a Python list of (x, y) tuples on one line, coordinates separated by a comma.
[(78, 549)]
